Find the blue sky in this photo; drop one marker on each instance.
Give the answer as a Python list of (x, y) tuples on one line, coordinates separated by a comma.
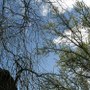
[(49, 62)]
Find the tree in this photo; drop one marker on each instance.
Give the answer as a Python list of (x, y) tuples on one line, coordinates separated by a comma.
[(6, 81), (71, 31), (20, 22), (25, 37)]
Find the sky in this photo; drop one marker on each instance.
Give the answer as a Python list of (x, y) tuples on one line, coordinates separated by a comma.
[(67, 5), (62, 5), (49, 63), (83, 34)]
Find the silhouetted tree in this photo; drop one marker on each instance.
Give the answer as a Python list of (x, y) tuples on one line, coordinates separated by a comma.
[(6, 80)]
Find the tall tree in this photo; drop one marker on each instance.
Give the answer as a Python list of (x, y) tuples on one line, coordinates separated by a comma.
[(20, 22), (71, 32)]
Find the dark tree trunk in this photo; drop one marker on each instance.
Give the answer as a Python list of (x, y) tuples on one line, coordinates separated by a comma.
[(6, 80)]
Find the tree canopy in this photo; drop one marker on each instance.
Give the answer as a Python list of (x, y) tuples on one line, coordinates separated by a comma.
[(27, 37)]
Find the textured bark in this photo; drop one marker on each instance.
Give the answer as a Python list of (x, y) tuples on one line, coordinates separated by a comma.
[(6, 80)]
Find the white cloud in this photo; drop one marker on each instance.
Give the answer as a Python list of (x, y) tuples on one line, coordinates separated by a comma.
[(71, 37), (44, 10), (61, 5), (68, 4), (64, 5), (87, 2), (38, 1)]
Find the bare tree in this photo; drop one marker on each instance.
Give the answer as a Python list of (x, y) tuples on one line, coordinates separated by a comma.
[(19, 40)]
